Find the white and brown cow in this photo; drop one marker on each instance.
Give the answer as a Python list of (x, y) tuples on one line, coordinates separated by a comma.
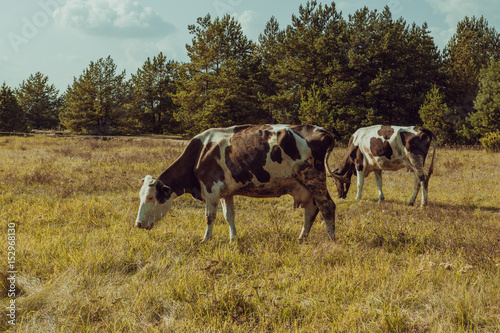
[(251, 160), (377, 148)]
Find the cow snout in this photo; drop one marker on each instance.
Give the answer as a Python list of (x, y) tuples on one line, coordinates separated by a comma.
[(142, 225)]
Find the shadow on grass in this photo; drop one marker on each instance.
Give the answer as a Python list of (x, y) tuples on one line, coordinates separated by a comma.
[(447, 206), (471, 206)]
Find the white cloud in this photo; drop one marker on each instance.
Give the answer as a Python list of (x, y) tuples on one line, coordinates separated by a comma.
[(250, 23), (247, 18), (455, 11), (68, 58), (117, 18)]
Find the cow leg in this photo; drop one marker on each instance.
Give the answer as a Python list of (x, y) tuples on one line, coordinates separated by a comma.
[(419, 181), (327, 208), (210, 215), (310, 213), (361, 181), (315, 182), (423, 179), (416, 188), (420, 178), (425, 184), (378, 182), (229, 213)]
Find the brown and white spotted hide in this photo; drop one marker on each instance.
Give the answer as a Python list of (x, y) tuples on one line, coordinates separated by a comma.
[(378, 148), (251, 160)]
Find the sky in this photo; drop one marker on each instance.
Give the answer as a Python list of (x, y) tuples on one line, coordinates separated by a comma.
[(59, 38)]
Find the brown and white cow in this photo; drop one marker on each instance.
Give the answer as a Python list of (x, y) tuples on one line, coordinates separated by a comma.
[(377, 148), (251, 160)]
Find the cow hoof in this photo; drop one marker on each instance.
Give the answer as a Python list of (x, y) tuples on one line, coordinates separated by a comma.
[(410, 203)]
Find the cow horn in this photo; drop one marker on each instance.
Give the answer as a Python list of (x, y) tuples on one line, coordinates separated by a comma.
[(167, 189), (340, 178), (153, 182), (336, 174)]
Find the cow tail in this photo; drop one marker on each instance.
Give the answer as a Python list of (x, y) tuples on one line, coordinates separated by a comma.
[(327, 167), (431, 167), (329, 171)]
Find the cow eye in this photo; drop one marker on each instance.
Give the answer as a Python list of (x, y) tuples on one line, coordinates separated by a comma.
[(150, 198)]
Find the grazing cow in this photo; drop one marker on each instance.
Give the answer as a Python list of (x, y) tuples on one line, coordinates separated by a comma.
[(251, 160), (378, 148)]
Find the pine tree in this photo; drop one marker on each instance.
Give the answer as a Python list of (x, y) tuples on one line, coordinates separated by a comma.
[(40, 102), (270, 51), (436, 115), (486, 118), (393, 65), (314, 108), (219, 86), (98, 101), (154, 86), (346, 74), (12, 117), (472, 46), (306, 54)]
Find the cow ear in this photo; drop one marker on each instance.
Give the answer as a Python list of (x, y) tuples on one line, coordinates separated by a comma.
[(167, 189), (142, 180), (163, 192)]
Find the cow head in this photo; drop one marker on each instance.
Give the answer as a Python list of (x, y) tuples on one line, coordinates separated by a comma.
[(156, 200), (343, 183)]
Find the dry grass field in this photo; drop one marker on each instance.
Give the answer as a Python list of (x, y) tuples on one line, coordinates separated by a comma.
[(83, 267)]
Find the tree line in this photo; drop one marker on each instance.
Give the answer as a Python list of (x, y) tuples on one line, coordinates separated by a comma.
[(324, 69)]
